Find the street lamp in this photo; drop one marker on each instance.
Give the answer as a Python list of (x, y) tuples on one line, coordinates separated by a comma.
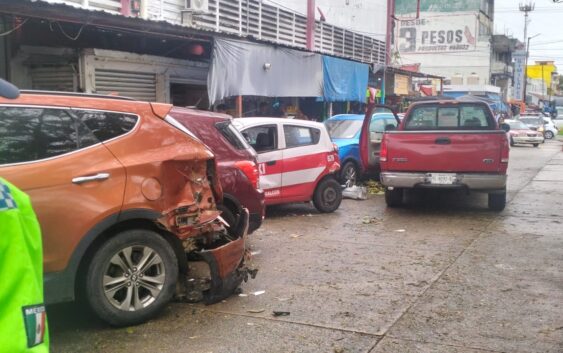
[(526, 65)]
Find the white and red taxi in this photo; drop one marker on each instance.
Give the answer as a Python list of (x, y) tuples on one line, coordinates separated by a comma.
[(297, 161)]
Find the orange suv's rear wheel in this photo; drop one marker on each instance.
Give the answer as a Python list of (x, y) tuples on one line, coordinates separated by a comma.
[(131, 277)]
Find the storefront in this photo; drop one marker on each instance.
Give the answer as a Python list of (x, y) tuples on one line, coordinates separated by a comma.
[(254, 79), (52, 49)]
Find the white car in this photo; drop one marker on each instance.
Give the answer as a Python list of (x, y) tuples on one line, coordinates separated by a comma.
[(297, 161), (550, 130), (558, 120)]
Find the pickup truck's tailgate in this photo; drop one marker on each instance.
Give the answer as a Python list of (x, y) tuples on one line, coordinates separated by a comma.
[(452, 151)]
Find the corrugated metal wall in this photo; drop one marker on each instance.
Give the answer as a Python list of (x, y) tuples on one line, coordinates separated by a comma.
[(138, 85), (54, 78)]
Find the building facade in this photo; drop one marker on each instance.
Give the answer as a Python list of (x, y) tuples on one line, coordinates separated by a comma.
[(540, 78), (150, 49), (447, 38)]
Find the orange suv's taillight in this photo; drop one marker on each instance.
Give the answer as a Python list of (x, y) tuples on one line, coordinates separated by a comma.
[(250, 169)]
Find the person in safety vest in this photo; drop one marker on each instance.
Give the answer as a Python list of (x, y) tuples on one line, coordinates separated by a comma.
[(23, 319)]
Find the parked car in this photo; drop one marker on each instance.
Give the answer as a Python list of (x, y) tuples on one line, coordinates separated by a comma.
[(443, 145), (297, 161), (344, 130), (521, 133), (550, 130), (534, 122), (123, 198), (237, 167)]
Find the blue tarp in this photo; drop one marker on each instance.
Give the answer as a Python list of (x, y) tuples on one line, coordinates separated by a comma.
[(344, 80)]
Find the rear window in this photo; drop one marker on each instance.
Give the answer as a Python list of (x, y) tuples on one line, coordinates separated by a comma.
[(534, 121), (106, 125), (296, 136), (463, 117), (343, 129), (231, 134)]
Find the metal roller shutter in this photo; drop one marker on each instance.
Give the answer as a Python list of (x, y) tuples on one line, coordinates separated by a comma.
[(54, 78), (138, 85)]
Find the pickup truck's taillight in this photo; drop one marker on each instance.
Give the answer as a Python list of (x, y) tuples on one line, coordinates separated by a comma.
[(250, 169), (504, 155), (383, 150)]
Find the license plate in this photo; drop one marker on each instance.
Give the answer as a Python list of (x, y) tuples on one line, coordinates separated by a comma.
[(442, 178)]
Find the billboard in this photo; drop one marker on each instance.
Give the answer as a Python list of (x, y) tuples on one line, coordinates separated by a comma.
[(437, 34), (519, 64), (409, 6)]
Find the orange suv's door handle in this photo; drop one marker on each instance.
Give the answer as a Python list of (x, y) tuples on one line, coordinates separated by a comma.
[(85, 179)]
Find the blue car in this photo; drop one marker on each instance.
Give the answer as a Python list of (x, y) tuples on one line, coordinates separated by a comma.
[(344, 130)]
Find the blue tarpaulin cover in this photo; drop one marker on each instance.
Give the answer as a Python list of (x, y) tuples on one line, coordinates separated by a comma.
[(344, 80)]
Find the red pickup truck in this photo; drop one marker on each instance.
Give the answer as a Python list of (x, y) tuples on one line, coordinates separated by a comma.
[(439, 144)]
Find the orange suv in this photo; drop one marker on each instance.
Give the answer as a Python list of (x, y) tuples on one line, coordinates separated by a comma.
[(126, 198)]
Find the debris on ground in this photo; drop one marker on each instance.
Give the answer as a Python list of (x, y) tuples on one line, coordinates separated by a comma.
[(355, 193), (243, 295), (370, 220), (280, 313), (400, 230), (258, 292), (282, 299), (295, 235), (375, 188), (256, 311)]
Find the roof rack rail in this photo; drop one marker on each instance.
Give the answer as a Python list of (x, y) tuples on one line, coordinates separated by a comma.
[(77, 94)]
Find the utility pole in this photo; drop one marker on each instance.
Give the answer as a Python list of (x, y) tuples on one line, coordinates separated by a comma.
[(526, 8), (311, 25)]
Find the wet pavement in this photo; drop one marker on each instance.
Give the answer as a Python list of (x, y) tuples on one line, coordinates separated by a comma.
[(443, 274)]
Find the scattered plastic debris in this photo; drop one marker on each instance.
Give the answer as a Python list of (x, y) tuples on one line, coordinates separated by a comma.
[(243, 295), (400, 230), (370, 220), (254, 253), (295, 235), (355, 193), (280, 313), (258, 292)]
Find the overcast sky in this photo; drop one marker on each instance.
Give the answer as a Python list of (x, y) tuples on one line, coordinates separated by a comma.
[(547, 19)]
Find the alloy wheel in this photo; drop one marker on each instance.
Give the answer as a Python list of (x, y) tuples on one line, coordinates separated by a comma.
[(134, 278)]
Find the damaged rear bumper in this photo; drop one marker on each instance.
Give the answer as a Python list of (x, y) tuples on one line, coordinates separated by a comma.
[(227, 267)]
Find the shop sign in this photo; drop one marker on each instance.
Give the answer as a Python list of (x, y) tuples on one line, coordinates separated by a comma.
[(401, 85), (437, 34), (519, 65)]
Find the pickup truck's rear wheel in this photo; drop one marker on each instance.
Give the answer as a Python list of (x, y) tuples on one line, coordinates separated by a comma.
[(394, 198), (548, 135), (535, 144), (131, 277), (511, 141), (328, 196), (497, 201)]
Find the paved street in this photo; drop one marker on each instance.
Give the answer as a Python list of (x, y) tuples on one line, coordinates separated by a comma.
[(443, 274)]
